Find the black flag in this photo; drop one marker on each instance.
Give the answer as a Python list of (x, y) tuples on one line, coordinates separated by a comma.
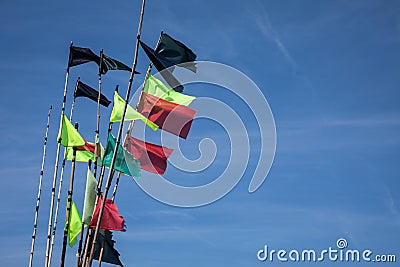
[(113, 64), (176, 52), (161, 63), (110, 254), (84, 90), (80, 55)]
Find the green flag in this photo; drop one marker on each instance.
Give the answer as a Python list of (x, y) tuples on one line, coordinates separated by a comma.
[(90, 197), (131, 113), (85, 153), (155, 87), (124, 162), (68, 136), (74, 225)]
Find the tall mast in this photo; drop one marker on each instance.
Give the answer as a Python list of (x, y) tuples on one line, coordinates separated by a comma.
[(111, 171), (40, 189)]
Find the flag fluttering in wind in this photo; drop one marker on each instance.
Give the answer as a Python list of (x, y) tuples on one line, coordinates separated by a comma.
[(81, 55), (169, 116), (113, 64), (111, 219), (152, 158), (110, 254), (155, 87), (74, 225), (124, 162), (84, 90), (176, 52), (130, 115), (68, 136), (90, 197), (84, 153), (161, 64)]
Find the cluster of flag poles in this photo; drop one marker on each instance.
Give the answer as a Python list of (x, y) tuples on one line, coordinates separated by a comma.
[(159, 107)]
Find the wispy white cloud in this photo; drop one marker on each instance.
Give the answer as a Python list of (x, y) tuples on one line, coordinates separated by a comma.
[(261, 18)]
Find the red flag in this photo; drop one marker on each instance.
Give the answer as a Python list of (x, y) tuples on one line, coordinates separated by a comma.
[(87, 147), (111, 220), (152, 158), (170, 117)]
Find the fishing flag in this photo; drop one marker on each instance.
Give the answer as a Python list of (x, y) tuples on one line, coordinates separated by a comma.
[(110, 254), (130, 114), (111, 220), (74, 225), (124, 162), (90, 197), (161, 64), (113, 64), (81, 55), (84, 153), (155, 87), (68, 136), (152, 158), (169, 116), (84, 90), (176, 52)]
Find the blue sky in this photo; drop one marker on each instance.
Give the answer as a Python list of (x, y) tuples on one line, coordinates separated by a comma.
[(330, 73)]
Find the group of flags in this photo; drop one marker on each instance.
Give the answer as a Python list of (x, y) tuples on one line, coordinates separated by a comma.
[(159, 107)]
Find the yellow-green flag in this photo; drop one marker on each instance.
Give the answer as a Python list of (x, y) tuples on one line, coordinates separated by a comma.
[(130, 115), (74, 225), (68, 135), (155, 87), (85, 153), (90, 197)]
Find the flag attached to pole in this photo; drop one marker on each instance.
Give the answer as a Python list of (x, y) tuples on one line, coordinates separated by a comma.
[(169, 116), (84, 90), (110, 254), (155, 87), (111, 220), (113, 64), (176, 52), (85, 153), (74, 225), (152, 158), (68, 136), (90, 197), (161, 64), (81, 55), (130, 114), (124, 162)]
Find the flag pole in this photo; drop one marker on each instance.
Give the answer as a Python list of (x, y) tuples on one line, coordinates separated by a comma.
[(40, 189), (98, 113), (89, 233), (78, 255), (129, 132), (53, 234), (111, 172), (69, 200), (53, 189)]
